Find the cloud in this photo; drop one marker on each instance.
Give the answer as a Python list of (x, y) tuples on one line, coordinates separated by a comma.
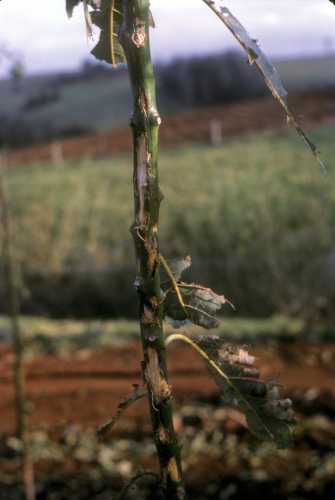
[(48, 40)]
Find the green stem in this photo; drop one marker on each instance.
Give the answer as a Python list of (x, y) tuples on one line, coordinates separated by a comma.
[(134, 37)]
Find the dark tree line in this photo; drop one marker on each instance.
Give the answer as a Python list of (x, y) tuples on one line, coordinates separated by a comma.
[(189, 83), (210, 80)]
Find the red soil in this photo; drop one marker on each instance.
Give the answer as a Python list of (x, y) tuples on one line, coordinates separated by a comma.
[(236, 119), (87, 387)]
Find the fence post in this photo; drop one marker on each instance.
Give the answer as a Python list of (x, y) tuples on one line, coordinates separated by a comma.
[(57, 153), (215, 132)]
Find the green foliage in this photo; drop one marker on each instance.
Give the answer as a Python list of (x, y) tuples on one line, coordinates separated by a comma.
[(45, 335), (273, 255)]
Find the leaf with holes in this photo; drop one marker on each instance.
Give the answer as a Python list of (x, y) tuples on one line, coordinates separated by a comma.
[(177, 267), (199, 305), (268, 416), (71, 4), (188, 302), (269, 73)]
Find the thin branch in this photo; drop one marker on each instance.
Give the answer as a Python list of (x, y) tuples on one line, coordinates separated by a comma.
[(134, 480), (136, 395)]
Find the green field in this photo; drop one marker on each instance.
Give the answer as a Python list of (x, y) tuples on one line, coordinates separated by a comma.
[(258, 221), (57, 336)]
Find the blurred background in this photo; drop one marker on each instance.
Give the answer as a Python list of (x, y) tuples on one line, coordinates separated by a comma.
[(243, 196)]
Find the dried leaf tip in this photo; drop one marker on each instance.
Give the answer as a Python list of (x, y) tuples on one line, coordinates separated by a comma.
[(268, 71)]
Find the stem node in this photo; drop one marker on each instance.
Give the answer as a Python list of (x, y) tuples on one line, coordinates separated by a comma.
[(145, 123)]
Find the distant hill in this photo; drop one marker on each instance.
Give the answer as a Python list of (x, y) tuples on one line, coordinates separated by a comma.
[(312, 73), (66, 105), (69, 102)]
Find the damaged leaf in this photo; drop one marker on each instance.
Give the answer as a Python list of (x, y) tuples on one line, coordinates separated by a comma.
[(152, 23), (184, 302), (71, 4), (199, 305), (268, 416), (269, 73), (176, 267), (108, 17)]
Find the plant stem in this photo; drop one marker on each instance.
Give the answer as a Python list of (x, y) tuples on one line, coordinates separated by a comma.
[(134, 37), (13, 305), (11, 278)]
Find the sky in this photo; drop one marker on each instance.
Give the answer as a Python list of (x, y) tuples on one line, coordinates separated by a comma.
[(47, 41)]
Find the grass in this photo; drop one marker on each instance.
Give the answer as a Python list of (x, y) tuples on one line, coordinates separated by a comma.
[(257, 219), (61, 336), (66, 208)]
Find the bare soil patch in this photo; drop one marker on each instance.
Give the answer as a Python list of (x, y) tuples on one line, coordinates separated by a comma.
[(194, 126), (87, 387)]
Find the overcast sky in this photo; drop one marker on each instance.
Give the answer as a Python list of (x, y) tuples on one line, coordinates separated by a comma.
[(47, 40)]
